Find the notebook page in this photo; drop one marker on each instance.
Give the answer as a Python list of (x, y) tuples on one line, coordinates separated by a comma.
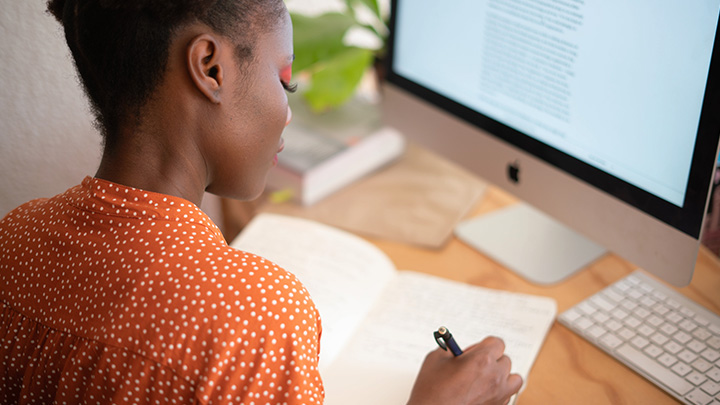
[(343, 273), (381, 361)]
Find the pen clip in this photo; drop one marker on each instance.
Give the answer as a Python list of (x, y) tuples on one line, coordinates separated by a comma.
[(440, 339)]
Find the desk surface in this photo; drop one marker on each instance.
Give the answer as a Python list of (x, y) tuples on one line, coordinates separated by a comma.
[(568, 369)]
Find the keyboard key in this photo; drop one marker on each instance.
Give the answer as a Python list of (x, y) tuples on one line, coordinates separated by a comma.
[(641, 361), (666, 359), (698, 397), (602, 303), (610, 341), (682, 337), (687, 356), (586, 308), (652, 350), (583, 323), (632, 322), (701, 320), (614, 296), (645, 330), (596, 331), (714, 374), (710, 355), (688, 325), (715, 329), (641, 313), (674, 317), (710, 387), (600, 317), (659, 339), (619, 314), (696, 346), (640, 342), (626, 333), (659, 295), (681, 369), (661, 309), (714, 342), (672, 347), (701, 333), (622, 285), (613, 325), (655, 320), (687, 312), (672, 303), (696, 378), (648, 302), (571, 315), (668, 329), (701, 365), (629, 305)]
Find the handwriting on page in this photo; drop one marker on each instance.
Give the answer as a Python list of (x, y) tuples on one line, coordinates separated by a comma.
[(413, 305)]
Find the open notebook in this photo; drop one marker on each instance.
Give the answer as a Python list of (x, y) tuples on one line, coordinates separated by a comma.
[(378, 321)]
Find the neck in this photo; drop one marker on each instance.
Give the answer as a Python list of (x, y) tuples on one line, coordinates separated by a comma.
[(158, 158)]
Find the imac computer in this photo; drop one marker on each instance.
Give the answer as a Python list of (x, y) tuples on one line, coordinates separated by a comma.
[(602, 117)]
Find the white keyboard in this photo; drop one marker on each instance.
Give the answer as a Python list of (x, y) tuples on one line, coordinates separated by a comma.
[(656, 331)]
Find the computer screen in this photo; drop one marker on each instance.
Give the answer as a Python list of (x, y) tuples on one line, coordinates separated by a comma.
[(608, 110)]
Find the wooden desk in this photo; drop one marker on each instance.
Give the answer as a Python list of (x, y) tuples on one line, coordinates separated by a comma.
[(568, 369)]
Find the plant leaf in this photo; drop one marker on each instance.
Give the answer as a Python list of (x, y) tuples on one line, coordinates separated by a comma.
[(373, 6), (336, 80), (318, 38)]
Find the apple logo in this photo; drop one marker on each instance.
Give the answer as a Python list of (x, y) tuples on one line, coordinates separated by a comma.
[(513, 171)]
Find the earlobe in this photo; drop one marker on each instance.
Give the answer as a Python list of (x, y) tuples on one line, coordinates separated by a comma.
[(204, 67)]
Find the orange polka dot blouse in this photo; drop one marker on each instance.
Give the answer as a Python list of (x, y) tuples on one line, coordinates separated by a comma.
[(110, 294)]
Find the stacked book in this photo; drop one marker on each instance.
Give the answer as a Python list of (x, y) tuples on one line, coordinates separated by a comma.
[(325, 152)]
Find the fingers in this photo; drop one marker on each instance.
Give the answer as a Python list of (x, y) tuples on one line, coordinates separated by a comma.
[(494, 351), (494, 346), (514, 382), (505, 364)]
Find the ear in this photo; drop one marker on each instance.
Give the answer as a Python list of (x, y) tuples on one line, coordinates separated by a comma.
[(204, 65)]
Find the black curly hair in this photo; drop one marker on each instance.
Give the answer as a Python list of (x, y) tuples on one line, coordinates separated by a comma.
[(120, 47)]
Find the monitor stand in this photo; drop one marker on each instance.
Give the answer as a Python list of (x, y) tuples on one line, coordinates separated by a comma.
[(530, 243)]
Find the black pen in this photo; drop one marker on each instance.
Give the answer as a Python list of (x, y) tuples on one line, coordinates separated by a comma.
[(445, 340)]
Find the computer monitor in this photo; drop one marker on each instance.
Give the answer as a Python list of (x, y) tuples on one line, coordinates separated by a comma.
[(605, 116)]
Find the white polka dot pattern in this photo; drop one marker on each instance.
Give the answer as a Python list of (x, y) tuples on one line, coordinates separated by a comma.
[(110, 294)]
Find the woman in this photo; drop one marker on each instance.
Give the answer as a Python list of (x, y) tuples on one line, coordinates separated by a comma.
[(121, 289)]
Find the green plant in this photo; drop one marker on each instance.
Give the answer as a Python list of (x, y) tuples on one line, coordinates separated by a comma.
[(333, 67)]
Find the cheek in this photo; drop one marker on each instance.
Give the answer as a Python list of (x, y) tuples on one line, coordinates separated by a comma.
[(272, 120), (277, 115)]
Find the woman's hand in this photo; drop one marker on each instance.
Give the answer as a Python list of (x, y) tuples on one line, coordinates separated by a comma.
[(481, 375)]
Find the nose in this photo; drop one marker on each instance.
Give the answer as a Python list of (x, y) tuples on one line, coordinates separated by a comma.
[(289, 116)]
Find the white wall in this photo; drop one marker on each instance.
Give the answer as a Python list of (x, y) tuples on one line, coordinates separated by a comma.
[(47, 141)]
